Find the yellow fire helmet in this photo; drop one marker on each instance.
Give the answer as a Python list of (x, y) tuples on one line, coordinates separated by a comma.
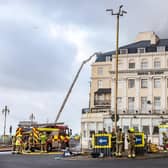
[(131, 129)]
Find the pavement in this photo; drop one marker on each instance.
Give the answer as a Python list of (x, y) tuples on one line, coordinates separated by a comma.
[(87, 156)]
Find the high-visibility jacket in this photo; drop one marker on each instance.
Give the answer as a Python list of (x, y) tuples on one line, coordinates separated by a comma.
[(43, 139), (119, 138), (131, 138), (18, 141)]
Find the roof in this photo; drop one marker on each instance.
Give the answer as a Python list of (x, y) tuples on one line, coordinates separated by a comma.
[(103, 90), (132, 48)]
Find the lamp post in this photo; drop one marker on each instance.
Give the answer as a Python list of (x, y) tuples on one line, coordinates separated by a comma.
[(32, 118), (5, 111), (118, 14)]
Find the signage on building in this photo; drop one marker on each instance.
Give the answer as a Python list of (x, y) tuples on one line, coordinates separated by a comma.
[(150, 73)]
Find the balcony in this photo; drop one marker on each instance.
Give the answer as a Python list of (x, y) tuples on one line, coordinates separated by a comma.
[(102, 102)]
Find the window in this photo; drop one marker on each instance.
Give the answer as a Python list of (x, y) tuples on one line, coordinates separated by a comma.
[(84, 133), (131, 83), (144, 64), (131, 65), (108, 58), (160, 48), (119, 102), (145, 129), (157, 104), (120, 64), (100, 83), (157, 83), (91, 133), (156, 63), (100, 97), (100, 70), (141, 50), (136, 128), (144, 104), (144, 83), (131, 101), (123, 51), (155, 130), (125, 128)]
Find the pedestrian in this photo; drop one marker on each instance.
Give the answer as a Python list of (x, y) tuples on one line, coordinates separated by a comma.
[(165, 141), (43, 142), (119, 143), (131, 139), (113, 142), (13, 144), (19, 144)]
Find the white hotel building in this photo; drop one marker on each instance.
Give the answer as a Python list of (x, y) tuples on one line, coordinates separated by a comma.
[(142, 88)]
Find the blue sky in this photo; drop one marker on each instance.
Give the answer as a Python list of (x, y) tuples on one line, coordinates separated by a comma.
[(42, 44)]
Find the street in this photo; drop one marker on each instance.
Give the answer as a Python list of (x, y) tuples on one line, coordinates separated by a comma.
[(48, 161)]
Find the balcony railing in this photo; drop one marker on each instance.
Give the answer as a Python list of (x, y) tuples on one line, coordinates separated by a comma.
[(100, 110), (102, 102)]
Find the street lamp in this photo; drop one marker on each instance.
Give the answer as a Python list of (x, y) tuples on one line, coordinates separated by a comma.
[(5, 111), (118, 14)]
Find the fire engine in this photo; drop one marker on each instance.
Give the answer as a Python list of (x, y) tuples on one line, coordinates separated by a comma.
[(58, 136)]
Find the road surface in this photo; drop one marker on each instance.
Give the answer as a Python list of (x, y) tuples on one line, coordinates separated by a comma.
[(8, 160)]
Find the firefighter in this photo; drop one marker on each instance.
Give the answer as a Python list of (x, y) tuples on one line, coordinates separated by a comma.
[(131, 139), (13, 144), (119, 143), (43, 142), (165, 141), (113, 141), (18, 144), (30, 142), (66, 141)]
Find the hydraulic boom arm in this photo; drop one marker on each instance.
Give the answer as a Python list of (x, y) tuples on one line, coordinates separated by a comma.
[(73, 83)]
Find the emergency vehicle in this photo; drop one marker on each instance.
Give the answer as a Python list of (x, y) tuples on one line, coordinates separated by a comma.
[(57, 136)]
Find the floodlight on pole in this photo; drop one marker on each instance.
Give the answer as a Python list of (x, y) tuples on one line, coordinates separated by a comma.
[(5, 111), (118, 14)]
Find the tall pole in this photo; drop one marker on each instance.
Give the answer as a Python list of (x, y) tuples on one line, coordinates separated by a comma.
[(118, 14), (5, 111)]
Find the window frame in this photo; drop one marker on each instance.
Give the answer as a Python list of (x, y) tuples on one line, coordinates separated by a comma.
[(143, 86), (100, 84), (141, 50), (161, 49), (155, 84), (144, 64), (156, 61), (123, 51), (131, 85), (100, 71), (108, 58)]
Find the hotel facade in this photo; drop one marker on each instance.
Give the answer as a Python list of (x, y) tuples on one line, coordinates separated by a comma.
[(142, 89)]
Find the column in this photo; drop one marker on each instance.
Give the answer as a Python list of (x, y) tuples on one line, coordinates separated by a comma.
[(137, 98), (163, 95), (150, 92), (112, 94), (125, 94)]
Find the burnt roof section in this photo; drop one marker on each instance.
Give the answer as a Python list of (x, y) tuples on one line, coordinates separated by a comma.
[(132, 48), (103, 91)]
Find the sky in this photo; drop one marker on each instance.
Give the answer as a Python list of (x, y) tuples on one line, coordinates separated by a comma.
[(42, 44)]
